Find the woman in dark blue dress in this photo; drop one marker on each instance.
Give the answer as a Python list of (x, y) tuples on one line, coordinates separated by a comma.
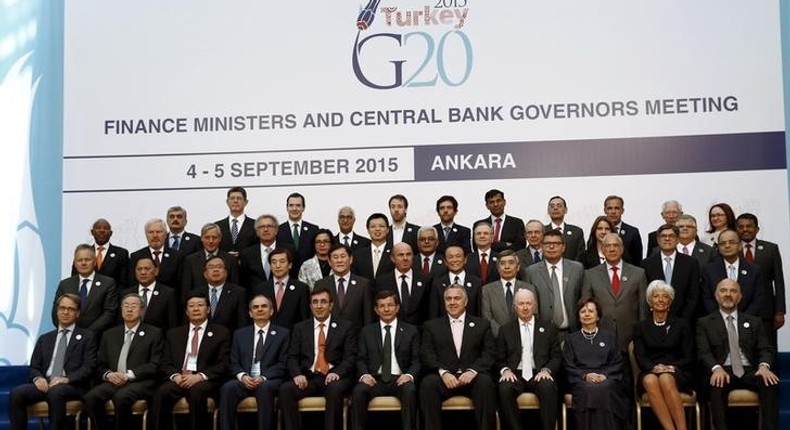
[(664, 351), (594, 364)]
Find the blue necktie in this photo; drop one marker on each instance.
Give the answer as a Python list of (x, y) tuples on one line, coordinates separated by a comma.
[(84, 294)]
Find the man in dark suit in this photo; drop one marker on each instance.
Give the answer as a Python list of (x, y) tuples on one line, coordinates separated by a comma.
[(111, 260), (192, 266), (428, 260), (388, 362), (614, 207), (195, 365), (351, 294), (129, 357), (497, 297), (162, 305), (260, 370), (729, 264), (414, 290), (508, 230), (558, 282), (482, 262), (97, 293), (455, 260), (178, 239), (238, 230), (226, 301), (254, 269), (670, 211), (345, 222), (533, 253), (401, 230), (688, 243), (322, 367), (574, 236), (457, 354), (766, 255), (296, 231), (451, 233), (733, 346), (61, 367), (682, 269), (620, 289), (374, 260), (167, 261), (289, 296), (531, 368)]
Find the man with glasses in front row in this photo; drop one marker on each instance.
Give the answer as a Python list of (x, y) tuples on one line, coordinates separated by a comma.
[(61, 368)]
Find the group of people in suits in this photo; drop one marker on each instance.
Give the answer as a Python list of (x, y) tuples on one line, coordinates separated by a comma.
[(323, 333)]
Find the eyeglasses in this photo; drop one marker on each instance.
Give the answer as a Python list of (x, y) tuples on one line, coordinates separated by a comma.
[(68, 309), (552, 244), (267, 226)]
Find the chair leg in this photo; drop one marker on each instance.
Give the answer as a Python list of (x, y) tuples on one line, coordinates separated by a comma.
[(698, 415), (77, 420), (145, 419), (638, 416)]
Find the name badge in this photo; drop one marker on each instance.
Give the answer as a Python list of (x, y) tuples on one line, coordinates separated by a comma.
[(192, 363), (255, 370)]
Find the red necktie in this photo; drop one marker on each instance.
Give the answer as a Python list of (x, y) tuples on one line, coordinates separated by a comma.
[(615, 281), (749, 255), (483, 267), (426, 267), (497, 229), (193, 349)]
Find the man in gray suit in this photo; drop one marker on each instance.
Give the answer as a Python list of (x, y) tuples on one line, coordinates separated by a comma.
[(557, 274), (620, 288), (574, 236), (497, 303)]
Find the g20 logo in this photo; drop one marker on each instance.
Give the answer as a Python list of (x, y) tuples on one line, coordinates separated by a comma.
[(447, 58)]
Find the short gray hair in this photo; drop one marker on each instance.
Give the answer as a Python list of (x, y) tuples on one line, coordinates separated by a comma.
[(659, 285)]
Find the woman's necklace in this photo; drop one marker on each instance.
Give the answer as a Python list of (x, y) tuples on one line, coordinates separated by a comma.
[(659, 323), (590, 335)]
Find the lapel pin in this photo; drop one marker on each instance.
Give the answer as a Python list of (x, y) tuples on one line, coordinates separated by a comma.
[(112, 255), (746, 325), (353, 282), (541, 329), (355, 242), (291, 287), (760, 247), (625, 278), (493, 258), (334, 324), (569, 232), (455, 230), (472, 324), (622, 233), (469, 284), (209, 334), (564, 279), (97, 283), (166, 255), (156, 292), (142, 333), (743, 272), (304, 227), (419, 284), (78, 337), (408, 229), (602, 344), (439, 262), (272, 332), (187, 238)]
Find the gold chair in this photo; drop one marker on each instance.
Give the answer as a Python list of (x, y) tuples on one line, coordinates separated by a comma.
[(463, 403), (318, 404), (744, 399), (40, 410), (139, 407), (689, 400), (567, 403), (529, 401), (182, 408)]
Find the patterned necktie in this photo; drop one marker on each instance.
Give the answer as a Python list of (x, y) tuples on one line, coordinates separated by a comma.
[(484, 267), (615, 280), (536, 257), (345, 241), (731, 273), (426, 267), (509, 297), (60, 354), (386, 355), (404, 292), (84, 294), (176, 243), (668, 269), (157, 261), (749, 256), (735, 349), (341, 292), (145, 296), (446, 233), (213, 299), (99, 257), (686, 250), (321, 365), (234, 230)]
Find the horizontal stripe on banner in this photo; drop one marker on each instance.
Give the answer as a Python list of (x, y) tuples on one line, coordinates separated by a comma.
[(601, 157)]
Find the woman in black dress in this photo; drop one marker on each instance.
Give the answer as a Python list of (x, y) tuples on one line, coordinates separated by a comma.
[(664, 351), (594, 364)]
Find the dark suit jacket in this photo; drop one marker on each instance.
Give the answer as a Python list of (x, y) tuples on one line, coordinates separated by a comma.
[(188, 243), (473, 285), (169, 267), (144, 356), (115, 265), (436, 267), (409, 236), (685, 280), (414, 312), (590, 258), (213, 355), (406, 341), (251, 273), (458, 235), (275, 351), (473, 266), (307, 232), (546, 350), (363, 262), (749, 278), (100, 312), (574, 241), (526, 258), (246, 237), (704, 253), (438, 350), (770, 261), (356, 241), (231, 310), (358, 304), (296, 302), (341, 348), (192, 269), (713, 345), (632, 244), (164, 309), (80, 360), (512, 231)]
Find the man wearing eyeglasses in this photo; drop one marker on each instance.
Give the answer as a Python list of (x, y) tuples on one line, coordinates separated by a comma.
[(688, 242), (61, 367), (558, 282), (730, 264), (227, 301), (254, 260)]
